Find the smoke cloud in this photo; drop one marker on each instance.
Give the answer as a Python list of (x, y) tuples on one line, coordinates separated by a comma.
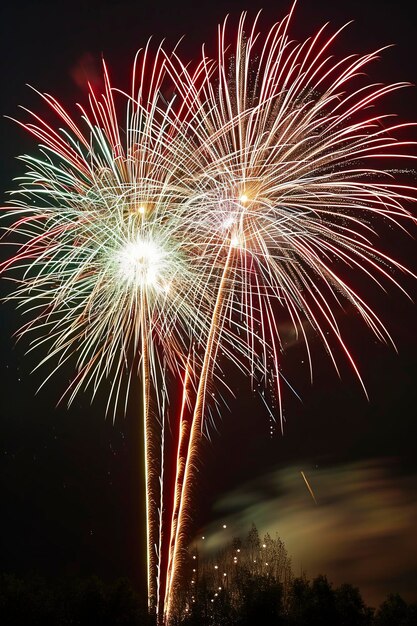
[(362, 529)]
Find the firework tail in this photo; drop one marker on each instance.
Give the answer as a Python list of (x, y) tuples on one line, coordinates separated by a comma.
[(182, 514), (145, 411), (148, 431), (183, 439)]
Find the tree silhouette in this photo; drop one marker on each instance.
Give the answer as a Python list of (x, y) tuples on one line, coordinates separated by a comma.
[(246, 583), (396, 612), (351, 609), (245, 580)]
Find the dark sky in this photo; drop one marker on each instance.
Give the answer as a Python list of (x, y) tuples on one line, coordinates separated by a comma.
[(70, 481)]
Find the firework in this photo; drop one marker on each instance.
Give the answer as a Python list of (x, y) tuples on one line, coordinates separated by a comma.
[(290, 195), (103, 266)]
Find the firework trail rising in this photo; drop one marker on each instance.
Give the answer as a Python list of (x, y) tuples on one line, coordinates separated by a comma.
[(249, 187)]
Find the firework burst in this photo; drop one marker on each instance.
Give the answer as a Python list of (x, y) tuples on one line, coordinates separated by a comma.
[(290, 194), (103, 267)]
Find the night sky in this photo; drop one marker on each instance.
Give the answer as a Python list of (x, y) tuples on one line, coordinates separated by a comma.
[(71, 480)]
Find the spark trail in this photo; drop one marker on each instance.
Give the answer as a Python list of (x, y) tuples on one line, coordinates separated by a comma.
[(311, 492)]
